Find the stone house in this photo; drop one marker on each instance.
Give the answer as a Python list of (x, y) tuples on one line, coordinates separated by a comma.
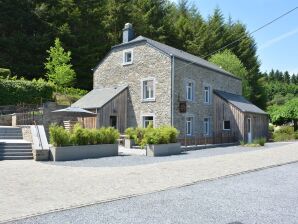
[(142, 81)]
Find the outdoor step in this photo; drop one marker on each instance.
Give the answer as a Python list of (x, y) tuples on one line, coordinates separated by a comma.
[(11, 137), (15, 153), (27, 147), (15, 157), (15, 150)]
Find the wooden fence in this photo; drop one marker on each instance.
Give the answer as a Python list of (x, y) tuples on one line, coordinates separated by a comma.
[(217, 138)]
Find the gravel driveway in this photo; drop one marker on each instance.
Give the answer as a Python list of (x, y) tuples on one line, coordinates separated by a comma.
[(30, 188), (267, 196), (135, 160)]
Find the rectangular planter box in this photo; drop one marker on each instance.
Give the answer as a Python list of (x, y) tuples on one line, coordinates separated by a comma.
[(128, 143), (163, 149), (83, 152)]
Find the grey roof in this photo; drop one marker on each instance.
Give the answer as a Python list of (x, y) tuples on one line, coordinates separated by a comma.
[(240, 102), (98, 97), (178, 53)]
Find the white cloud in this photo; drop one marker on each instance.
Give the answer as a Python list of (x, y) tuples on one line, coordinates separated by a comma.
[(278, 39)]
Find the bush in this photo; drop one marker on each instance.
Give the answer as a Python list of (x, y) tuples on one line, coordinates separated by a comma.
[(5, 72), (14, 91), (161, 135), (260, 141), (82, 136), (59, 136), (284, 133), (130, 133)]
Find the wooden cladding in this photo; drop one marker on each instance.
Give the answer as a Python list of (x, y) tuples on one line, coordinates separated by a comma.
[(225, 111), (116, 109)]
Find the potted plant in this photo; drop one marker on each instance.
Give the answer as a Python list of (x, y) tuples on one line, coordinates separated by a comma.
[(161, 141), (82, 143)]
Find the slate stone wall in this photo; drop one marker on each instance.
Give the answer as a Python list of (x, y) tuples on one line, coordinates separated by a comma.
[(197, 108), (147, 63)]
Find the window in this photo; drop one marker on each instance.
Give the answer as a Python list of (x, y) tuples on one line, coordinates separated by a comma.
[(147, 120), (127, 57), (189, 125), (207, 94), (190, 91), (148, 89), (206, 126), (226, 125)]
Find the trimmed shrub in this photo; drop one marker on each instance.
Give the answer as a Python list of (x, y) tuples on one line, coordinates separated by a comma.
[(14, 91), (160, 135), (59, 136), (82, 136)]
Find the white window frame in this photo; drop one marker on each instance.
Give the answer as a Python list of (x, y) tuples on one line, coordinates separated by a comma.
[(209, 94), (147, 115), (142, 89), (223, 125), (206, 133), (191, 125), (124, 62), (192, 92)]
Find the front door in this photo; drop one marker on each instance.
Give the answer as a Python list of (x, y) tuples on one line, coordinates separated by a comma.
[(113, 121), (249, 131)]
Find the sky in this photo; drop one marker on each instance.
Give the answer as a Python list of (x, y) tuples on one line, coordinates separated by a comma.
[(277, 44)]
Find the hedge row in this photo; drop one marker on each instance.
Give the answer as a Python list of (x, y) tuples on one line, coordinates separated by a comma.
[(161, 135), (82, 136), (14, 91)]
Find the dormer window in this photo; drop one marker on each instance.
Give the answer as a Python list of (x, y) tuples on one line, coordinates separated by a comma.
[(127, 57)]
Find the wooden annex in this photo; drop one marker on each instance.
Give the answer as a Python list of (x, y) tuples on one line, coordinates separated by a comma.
[(241, 118)]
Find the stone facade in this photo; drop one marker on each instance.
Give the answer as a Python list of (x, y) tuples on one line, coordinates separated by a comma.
[(197, 109), (147, 63)]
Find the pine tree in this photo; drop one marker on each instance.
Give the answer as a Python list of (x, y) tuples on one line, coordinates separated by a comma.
[(58, 67), (287, 77)]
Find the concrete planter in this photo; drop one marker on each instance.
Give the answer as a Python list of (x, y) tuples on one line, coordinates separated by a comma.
[(83, 152), (163, 149), (128, 143), (41, 154)]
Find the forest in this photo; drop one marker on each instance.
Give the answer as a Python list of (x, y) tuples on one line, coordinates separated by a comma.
[(88, 29)]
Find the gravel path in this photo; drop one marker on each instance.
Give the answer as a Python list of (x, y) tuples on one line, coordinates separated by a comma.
[(30, 188), (136, 160), (268, 196)]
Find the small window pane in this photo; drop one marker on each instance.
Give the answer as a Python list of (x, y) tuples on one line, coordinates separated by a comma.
[(147, 120), (189, 125), (128, 57), (189, 91), (227, 125), (148, 89), (207, 94)]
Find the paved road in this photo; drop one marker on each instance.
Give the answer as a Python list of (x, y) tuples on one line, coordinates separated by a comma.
[(267, 196)]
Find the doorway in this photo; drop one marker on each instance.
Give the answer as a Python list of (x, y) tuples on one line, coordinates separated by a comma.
[(113, 121), (249, 131)]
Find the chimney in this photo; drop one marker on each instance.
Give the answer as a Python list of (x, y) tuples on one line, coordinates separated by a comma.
[(128, 34)]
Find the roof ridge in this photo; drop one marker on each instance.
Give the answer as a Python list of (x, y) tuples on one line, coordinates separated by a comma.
[(184, 55)]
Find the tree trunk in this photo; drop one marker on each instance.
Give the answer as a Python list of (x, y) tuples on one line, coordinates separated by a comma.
[(295, 125)]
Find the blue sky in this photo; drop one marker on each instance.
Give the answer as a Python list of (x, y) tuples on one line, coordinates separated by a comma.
[(277, 43)]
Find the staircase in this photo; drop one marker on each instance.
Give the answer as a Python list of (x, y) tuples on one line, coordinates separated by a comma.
[(12, 145)]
